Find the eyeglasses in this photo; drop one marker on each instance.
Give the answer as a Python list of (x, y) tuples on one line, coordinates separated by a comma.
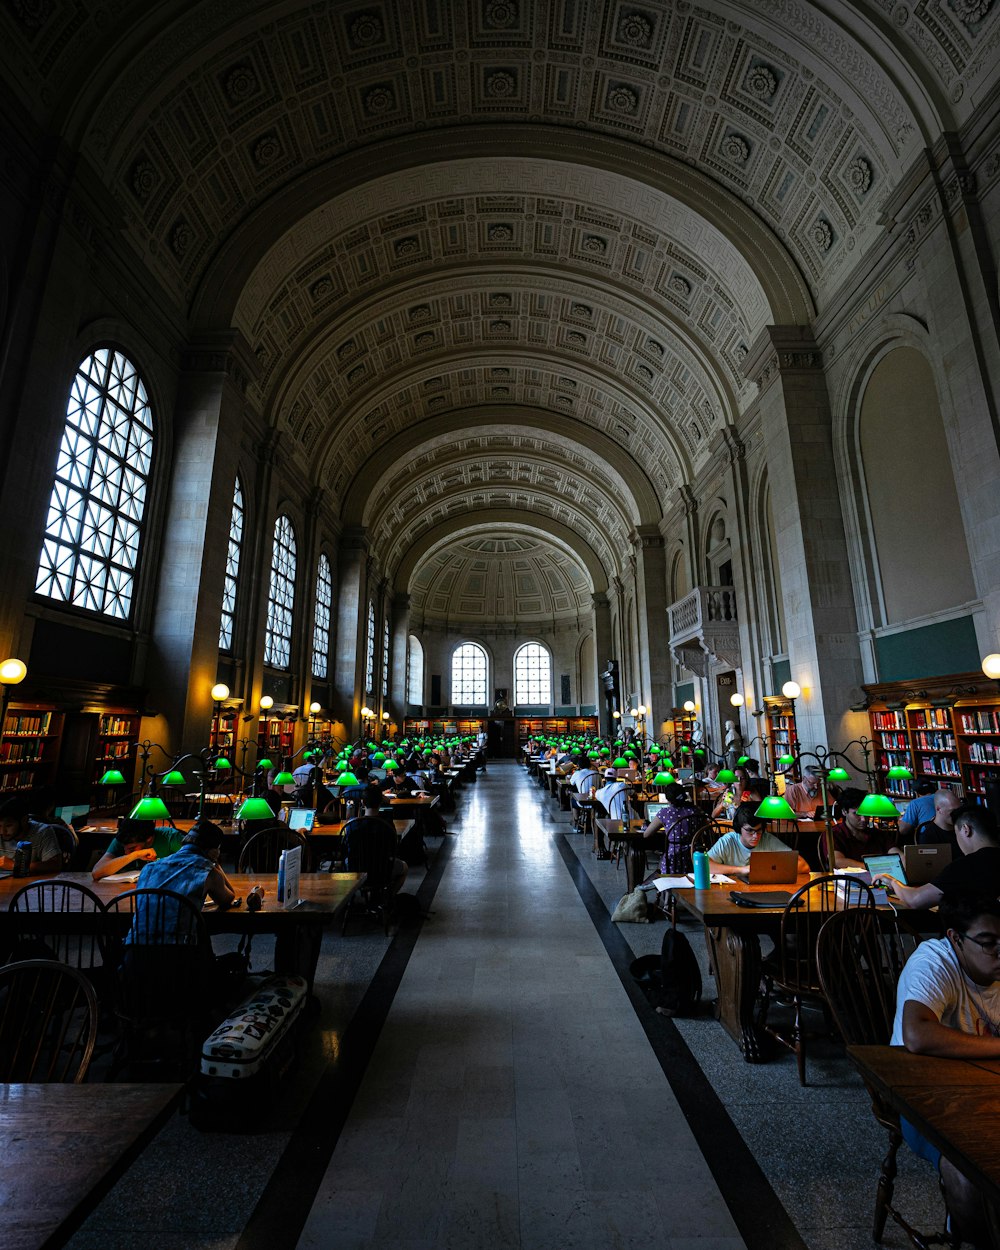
[(989, 947)]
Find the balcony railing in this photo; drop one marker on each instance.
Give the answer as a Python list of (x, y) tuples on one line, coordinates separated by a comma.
[(704, 629)]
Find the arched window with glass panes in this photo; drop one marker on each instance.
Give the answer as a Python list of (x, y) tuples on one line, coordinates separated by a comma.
[(370, 651), (532, 675), (93, 529), (281, 596), (385, 658), (321, 618), (468, 675), (232, 570), (415, 671)]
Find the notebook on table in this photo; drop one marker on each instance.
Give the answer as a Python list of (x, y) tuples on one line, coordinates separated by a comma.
[(773, 867)]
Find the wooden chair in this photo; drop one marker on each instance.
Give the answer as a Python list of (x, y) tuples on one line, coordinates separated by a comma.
[(859, 955), (371, 848), (54, 927), (163, 980), (48, 1022), (703, 839), (791, 969), (262, 850)]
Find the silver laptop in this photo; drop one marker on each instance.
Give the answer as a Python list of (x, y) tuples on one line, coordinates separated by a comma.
[(923, 863), (773, 867)]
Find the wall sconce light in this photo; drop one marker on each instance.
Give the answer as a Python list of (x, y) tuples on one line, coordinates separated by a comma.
[(12, 673), (266, 703), (736, 699)]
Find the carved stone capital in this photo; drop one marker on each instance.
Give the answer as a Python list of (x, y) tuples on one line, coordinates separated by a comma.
[(222, 351), (687, 499)]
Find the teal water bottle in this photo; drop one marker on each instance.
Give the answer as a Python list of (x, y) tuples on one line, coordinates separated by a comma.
[(702, 878)]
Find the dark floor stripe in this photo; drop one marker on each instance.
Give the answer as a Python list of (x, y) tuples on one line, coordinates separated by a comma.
[(283, 1208), (763, 1222)]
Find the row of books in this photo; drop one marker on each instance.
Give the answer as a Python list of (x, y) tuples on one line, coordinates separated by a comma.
[(938, 766), (25, 724), (934, 741), (888, 720), (117, 726), (27, 752), (894, 759), (931, 718), (979, 721), (984, 752), (897, 740), (115, 751)]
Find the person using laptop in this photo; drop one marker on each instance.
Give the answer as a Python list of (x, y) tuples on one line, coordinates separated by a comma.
[(853, 837), (731, 854), (940, 831), (948, 1005), (977, 867), (678, 819)]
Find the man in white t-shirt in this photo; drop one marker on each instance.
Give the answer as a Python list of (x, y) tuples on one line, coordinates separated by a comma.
[(613, 796), (948, 1005)]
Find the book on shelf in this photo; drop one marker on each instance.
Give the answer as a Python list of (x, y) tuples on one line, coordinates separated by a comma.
[(27, 724), (116, 726), (935, 741), (979, 721), (931, 718), (888, 720)]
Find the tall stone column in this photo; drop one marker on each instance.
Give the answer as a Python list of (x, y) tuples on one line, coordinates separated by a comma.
[(651, 609), (398, 693), (603, 649), (352, 606), (819, 606), (185, 636)]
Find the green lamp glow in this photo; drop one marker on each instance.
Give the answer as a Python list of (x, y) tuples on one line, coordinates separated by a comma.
[(666, 761), (593, 755), (744, 759), (899, 772), (774, 807), (838, 774), (150, 808), (663, 779), (620, 762), (725, 776), (879, 806), (786, 759), (391, 765), (222, 765), (655, 751), (629, 755), (255, 809), (174, 778), (347, 778), (112, 778), (685, 749), (265, 763), (284, 778), (379, 757)]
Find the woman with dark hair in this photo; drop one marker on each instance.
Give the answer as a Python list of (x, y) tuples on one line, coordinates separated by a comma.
[(678, 819)]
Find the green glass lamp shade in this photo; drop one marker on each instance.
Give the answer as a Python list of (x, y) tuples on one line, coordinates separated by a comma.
[(629, 755), (265, 763), (786, 759), (347, 778), (654, 751), (112, 778), (619, 745), (879, 806), (222, 764), (725, 777), (666, 761), (391, 766), (663, 779), (838, 774), (174, 778), (379, 757), (620, 762), (699, 752), (284, 778), (372, 746), (150, 808), (685, 749), (744, 759), (255, 809), (593, 755), (405, 742), (774, 807), (899, 773)]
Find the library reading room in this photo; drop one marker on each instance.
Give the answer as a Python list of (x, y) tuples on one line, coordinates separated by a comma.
[(500, 624)]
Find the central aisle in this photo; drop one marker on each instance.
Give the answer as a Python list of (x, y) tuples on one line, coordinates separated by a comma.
[(513, 1099)]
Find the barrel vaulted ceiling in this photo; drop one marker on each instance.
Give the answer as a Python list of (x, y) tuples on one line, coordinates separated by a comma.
[(499, 261)]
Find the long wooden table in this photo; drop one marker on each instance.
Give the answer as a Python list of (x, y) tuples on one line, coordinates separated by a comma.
[(62, 1147), (954, 1103), (630, 834)]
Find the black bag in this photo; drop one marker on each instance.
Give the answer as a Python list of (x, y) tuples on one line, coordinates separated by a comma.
[(680, 976)]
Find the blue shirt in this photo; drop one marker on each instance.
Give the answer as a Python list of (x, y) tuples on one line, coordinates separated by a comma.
[(185, 872), (918, 810)]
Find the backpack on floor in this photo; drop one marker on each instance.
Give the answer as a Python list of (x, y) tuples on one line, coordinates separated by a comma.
[(680, 976)]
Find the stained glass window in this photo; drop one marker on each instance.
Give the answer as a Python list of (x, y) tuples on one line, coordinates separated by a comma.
[(370, 651), (321, 618), (468, 674), (281, 596), (94, 525), (232, 570), (532, 675)]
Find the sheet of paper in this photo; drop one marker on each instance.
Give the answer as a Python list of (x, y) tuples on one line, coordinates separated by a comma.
[(118, 877), (687, 881)]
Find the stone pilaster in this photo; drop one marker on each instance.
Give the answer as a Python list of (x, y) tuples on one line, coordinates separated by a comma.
[(603, 648), (651, 609), (352, 609)]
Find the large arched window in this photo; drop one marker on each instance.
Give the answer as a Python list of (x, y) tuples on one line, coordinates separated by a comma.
[(468, 674), (281, 596), (415, 671), (321, 618), (532, 675), (232, 570), (385, 658), (370, 651), (94, 523)]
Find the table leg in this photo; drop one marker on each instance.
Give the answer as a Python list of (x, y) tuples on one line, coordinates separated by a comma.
[(735, 959), (635, 866), (600, 850)]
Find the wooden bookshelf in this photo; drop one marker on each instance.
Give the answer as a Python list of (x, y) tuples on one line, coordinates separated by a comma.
[(442, 727), (116, 745), (554, 727), (29, 747), (781, 733), (223, 732), (891, 737), (276, 736)]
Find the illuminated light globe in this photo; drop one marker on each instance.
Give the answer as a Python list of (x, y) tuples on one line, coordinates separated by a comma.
[(991, 666)]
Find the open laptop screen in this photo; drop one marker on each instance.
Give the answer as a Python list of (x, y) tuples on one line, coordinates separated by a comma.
[(653, 809), (892, 865), (302, 818)]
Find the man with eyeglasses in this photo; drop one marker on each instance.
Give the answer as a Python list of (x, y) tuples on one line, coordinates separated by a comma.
[(948, 1005)]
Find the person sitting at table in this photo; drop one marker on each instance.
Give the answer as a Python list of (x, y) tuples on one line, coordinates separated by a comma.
[(853, 837), (803, 797), (373, 822), (193, 869), (948, 1005), (731, 853), (917, 810), (677, 819), (16, 826), (137, 842), (732, 795), (940, 829), (977, 868), (612, 796)]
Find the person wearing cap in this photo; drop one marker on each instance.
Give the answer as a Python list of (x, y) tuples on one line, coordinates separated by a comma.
[(137, 842), (16, 826), (613, 796)]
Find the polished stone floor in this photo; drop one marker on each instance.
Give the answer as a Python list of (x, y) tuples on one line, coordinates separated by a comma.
[(492, 1077)]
